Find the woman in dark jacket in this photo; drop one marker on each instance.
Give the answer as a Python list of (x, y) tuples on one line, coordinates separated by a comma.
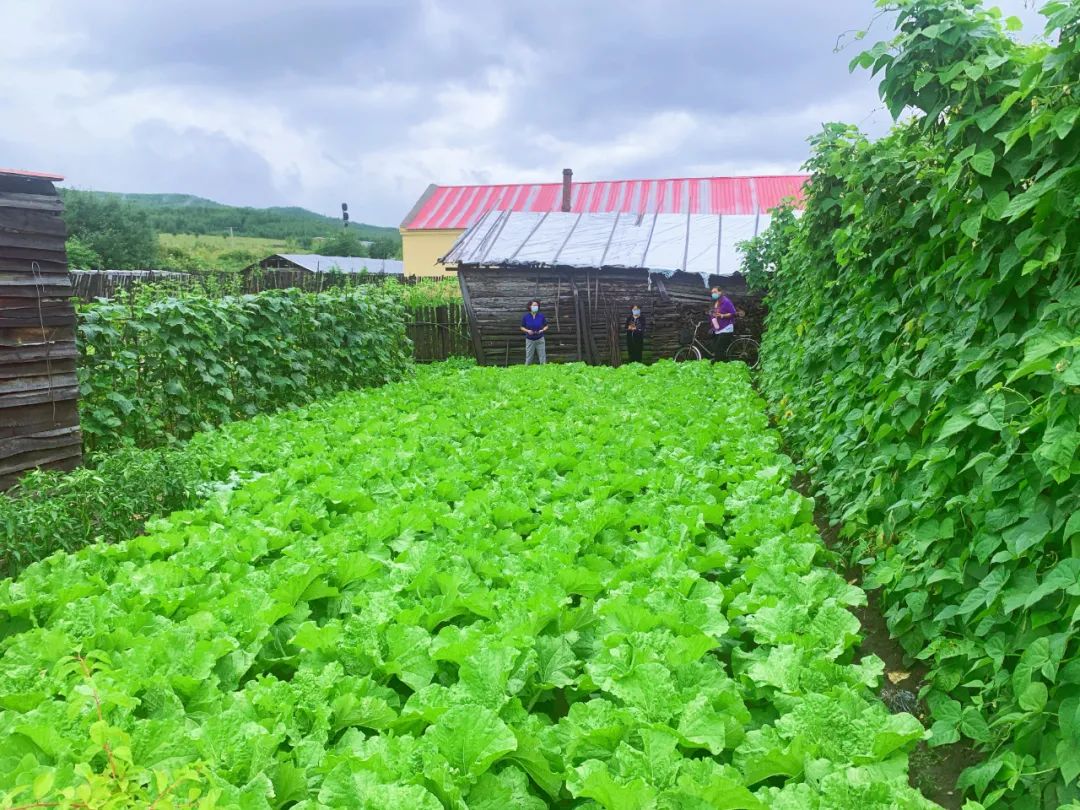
[(635, 334)]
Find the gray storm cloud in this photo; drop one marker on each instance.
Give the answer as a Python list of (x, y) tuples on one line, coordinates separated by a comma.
[(311, 103)]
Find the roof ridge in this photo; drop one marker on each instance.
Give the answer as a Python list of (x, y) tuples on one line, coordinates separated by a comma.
[(622, 180)]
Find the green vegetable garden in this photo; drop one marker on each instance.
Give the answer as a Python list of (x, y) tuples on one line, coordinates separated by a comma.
[(301, 572), (427, 601)]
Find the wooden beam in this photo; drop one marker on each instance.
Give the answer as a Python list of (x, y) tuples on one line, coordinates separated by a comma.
[(474, 322)]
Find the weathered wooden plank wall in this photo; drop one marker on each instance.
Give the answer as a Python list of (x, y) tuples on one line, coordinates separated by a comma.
[(586, 310), (439, 333), (39, 418)]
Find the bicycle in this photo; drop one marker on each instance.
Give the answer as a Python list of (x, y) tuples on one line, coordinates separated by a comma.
[(743, 349)]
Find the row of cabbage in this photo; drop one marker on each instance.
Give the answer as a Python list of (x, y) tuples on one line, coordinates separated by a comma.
[(537, 587)]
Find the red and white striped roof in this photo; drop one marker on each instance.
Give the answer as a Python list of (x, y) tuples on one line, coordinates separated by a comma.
[(37, 175), (458, 207)]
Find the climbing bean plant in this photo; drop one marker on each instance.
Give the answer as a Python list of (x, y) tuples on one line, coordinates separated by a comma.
[(157, 371), (921, 356)]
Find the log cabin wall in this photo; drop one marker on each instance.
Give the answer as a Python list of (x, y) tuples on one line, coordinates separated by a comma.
[(39, 418), (586, 310)]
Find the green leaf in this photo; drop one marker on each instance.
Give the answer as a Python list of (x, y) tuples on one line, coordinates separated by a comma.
[(898, 730), (529, 754), (1064, 122), (1034, 696), (1058, 451), (557, 662), (983, 162), (702, 726), (509, 788), (1072, 526), (43, 783), (947, 717), (760, 759), (980, 776), (472, 738), (954, 424), (1068, 754), (593, 781), (1029, 533), (974, 725)]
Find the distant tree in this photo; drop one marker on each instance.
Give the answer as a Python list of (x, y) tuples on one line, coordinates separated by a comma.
[(238, 259), (385, 248), (119, 233), (81, 256), (177, 258), (343, 243)]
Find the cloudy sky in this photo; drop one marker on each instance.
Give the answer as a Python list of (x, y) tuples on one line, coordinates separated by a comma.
[(315, 102)]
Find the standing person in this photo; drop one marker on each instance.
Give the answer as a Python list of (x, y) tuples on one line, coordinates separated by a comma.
[(635, 334), (534, 325), (722, 323)]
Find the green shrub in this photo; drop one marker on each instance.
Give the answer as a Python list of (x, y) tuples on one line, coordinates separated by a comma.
[(921, 355), (160, 371), (111, 501)]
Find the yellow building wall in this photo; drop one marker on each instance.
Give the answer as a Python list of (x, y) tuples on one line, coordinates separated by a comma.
[(421, 250)]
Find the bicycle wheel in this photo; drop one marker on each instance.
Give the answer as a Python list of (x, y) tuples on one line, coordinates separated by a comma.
[(745, 350), (687, 353)]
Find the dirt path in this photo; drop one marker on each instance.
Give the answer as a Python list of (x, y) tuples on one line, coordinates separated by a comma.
[(933, 771)]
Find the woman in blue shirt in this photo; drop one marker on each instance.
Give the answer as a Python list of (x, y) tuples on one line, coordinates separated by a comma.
[(534, 325)]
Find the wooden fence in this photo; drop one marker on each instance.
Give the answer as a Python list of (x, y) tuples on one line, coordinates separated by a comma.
[(439, 333), (91, 284)]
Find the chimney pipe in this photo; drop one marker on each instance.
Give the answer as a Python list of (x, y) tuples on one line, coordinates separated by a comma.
[(567, 174)]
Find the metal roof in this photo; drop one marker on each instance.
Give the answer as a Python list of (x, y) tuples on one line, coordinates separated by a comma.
[(344, 264), (704, 244), (456, 207), (38, 175)]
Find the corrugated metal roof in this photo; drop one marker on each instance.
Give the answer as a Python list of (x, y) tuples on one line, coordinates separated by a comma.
[(344, 264), (704, 244), (455, 207), (38, 175)]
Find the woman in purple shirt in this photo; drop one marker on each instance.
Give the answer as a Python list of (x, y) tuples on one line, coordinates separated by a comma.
[(721, 323)]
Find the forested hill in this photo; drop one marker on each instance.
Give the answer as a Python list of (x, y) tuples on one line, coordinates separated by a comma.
[(184, 213)]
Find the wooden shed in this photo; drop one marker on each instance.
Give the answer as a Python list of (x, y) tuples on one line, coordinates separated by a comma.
[(587, 270), (39, 417)]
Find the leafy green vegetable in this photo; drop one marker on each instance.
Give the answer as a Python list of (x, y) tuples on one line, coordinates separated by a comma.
[(447, 592)]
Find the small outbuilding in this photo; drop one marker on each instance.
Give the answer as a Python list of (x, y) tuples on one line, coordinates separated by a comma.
[(314, 263), (589, 267), (39, 390), (444, 213)]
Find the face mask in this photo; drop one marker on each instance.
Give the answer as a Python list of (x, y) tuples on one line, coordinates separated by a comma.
[(716, 296), (636, 312), (534, 310)]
